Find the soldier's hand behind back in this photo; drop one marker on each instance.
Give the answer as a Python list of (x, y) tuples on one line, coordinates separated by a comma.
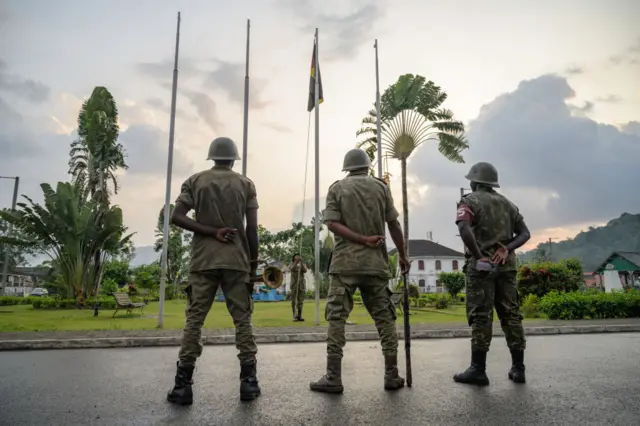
[(225, 235), (501, 255), (374, 241)]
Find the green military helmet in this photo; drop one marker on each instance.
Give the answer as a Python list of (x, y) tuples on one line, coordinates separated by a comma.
[(355, 159), (484, 173), (223, 148)]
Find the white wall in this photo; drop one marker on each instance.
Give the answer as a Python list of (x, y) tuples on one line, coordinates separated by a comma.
[(430, 274)]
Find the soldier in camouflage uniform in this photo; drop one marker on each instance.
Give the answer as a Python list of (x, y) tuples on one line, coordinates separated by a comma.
[(223, 256), (492, 229), (358, 207), (298, 270)]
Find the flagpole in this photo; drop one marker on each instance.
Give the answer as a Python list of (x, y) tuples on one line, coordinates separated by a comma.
[(246, 106), (317, 170), (167, 199), (379, 124)]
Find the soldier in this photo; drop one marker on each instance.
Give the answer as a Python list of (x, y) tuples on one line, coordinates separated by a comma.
[(298, 288), (224, 255), (358, 207), (491, 228)]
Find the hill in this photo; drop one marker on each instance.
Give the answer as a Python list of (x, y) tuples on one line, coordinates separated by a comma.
[(593, 246)]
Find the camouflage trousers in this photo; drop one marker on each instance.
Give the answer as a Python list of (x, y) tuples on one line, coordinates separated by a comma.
[(201, 291), (486, 291), (376, 298), (298, 293)]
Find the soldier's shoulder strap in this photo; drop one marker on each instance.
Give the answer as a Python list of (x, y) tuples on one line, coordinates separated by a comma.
[(330, 186), (380, 180)]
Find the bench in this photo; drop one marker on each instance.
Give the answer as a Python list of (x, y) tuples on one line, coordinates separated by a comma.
[(123, 301), (397, 299)]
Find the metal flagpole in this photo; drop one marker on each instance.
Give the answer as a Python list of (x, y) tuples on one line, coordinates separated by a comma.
[(167, 199), (379, 124), (246, 107), (317, 212)]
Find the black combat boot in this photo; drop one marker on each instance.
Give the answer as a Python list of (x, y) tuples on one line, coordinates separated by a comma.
[(249, 389), (295, 317), (182, 393), (300, 314), (475, 374), (331, 382), (392, 380), (517, 367)]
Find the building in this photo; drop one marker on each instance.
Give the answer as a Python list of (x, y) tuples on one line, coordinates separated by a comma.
[(428, 260), (620, 270)]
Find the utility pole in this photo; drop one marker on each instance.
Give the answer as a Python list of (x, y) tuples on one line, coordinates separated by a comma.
[(550, 239), (5, 265)]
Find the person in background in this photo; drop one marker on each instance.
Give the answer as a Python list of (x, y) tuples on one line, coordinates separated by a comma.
[(298, 270)]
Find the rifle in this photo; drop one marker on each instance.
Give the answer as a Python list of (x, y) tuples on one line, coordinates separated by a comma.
[(407, 328)]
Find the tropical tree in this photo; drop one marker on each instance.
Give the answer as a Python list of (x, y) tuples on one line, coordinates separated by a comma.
[(411, 114), (70, 229), (96, 155), (178, 251)]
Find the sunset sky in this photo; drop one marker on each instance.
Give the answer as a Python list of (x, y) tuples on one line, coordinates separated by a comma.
[(550, 92)]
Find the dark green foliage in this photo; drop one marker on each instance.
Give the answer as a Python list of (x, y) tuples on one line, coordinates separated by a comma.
[(593, 246), (16, 300), (594, 305), (542, 277), (453, 282)]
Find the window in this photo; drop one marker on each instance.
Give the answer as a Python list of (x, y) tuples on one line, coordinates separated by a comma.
[(438, 265), (421, 265), (421, 283), (437, 283), (454, 265)]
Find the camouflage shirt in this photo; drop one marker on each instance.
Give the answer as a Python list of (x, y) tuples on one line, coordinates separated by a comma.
[(493, 220), (220, 198), (364, 205)]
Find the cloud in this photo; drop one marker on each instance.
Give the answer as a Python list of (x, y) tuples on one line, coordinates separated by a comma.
[(147, 148), (632, 128), (278, 127), (160, 105), (630, 56), (342, 33), (610, 99), (206, 107), (30, 90), (229, 78), (558, 168), (574, 70), (163, 70)]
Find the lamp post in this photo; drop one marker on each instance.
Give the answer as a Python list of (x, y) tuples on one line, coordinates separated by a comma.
[(5, 265)]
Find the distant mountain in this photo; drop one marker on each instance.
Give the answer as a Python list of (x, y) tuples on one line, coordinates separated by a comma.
[(144, 255), (592, 247)]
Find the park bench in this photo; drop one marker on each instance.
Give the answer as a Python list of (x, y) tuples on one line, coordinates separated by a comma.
[(397, 300), (124, 302)]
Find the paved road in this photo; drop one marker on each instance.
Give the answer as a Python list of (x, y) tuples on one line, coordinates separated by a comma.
[(573, 380)]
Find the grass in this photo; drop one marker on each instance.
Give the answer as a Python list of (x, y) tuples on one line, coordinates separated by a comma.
[(266, 314)]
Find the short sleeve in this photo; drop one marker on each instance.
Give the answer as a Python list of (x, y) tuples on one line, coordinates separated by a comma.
[(252, 197), (332, 211), (390, 211), (186, 195), (464, 213)]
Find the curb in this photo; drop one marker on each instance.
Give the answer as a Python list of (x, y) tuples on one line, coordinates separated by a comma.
[(130, 342)]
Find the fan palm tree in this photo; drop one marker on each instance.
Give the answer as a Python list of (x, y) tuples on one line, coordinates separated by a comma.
[(70, 229), (411, 114), (96, 155)]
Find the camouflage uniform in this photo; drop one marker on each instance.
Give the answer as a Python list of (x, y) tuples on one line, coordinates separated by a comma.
[(220, 198), (298, 289), (493, 220), (364, 205)]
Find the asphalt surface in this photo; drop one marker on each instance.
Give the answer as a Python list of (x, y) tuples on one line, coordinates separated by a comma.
[(572, 380)]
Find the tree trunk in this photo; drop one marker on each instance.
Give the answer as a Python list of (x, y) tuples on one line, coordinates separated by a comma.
[(405, 204)]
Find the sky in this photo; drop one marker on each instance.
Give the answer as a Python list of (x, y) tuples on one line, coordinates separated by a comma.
[(549, 92)]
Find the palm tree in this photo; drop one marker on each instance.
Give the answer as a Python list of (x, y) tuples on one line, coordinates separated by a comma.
[(70, 229), (96, 155), (411, 114)]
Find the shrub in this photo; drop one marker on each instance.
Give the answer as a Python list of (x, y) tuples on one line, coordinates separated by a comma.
[(108, 286), (453, 282), (531, 306), (540, 278), (60, 303), (414, 291), (17, 300), (577, 305)]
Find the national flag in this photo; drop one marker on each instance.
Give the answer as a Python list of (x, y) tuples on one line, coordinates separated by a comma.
[(312, 83)]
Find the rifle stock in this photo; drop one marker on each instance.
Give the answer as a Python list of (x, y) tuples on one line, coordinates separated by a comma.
[(407, 329)]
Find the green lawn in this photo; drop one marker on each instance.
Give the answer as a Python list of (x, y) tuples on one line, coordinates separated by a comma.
[(266, 314)]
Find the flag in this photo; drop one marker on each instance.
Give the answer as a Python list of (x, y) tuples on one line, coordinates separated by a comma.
[(312, 83)]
